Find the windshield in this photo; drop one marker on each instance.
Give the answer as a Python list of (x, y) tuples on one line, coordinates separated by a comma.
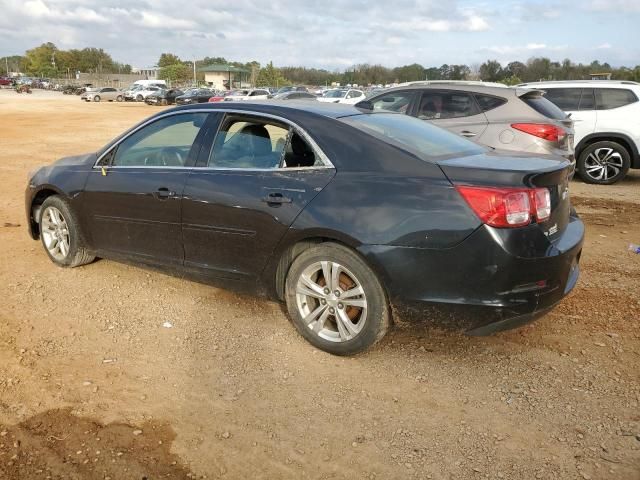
[(334, 94), (421, 138)]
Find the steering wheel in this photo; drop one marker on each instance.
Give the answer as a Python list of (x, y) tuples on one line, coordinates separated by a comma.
[(170, 157)]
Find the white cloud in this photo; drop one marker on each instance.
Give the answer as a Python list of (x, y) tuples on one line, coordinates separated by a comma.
[(604, 46), (629, 6)]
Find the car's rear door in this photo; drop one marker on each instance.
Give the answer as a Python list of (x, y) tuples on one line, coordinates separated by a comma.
[(580, 104), (131, 201), (455, 110), (241, 198)]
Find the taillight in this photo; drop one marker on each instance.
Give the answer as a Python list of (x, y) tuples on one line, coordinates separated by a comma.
[(546, 131), (508, 207)]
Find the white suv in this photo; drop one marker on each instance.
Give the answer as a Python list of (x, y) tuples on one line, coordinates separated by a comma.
[(607, 125)]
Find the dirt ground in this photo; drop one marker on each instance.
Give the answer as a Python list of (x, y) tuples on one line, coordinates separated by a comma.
[(92, 386)]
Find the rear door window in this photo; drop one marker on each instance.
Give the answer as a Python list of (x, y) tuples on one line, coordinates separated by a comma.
[(543, 106), (489, 102), (587, 101), (608, 98), (436, 105)]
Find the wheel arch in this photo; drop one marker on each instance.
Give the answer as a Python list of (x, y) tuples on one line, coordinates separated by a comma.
[(36, 201), (620, 138)]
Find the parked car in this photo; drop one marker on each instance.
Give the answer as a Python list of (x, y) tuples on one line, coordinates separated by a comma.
[(195, 95), (337, 212), (289, 88), (294, 95), (141, 94), (349, 96), (607, 125), (6, 82), (254, 94), (107, 93), (164, 97), (131, 92), (218, 97), (514, 119)]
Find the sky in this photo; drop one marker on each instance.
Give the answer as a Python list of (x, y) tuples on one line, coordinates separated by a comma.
[(330, 34)]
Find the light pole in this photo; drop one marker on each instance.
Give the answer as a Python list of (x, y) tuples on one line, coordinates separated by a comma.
[(194, 72)]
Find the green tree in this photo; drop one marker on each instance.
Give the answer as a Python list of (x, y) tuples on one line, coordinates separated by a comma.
[(491, 71), (41, 60), (176, 73), (167, 59), (271, 76)]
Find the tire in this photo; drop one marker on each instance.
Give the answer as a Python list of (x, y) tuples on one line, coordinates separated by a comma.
[(96, 98), (139, 98), (119, 98), (603, 163), (73, 252), (368, 314)]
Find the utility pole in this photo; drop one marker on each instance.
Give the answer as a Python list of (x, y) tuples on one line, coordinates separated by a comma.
[(6, 62), (194, 72)]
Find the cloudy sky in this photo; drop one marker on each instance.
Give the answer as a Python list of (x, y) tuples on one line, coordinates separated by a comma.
[(331, 34)]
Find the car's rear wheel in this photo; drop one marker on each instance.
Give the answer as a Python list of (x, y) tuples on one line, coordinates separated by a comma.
[(60, 234), (139, 98), (335, 300), (603, 163), (119, 98), (96, 98)]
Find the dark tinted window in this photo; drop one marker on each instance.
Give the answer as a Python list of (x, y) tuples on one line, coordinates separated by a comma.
[(437, 105), (608, 98), (543, 106), (487, 102), (587, 102), (567, 99), (420, 138), (394, 101)]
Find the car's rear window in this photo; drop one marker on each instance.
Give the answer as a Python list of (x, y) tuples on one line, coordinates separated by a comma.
[(416, 136), (543, 106)]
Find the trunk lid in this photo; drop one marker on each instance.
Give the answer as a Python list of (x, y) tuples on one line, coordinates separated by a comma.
[(517, 171)]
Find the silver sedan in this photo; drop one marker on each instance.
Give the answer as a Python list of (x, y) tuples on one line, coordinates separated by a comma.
[(107, 93)]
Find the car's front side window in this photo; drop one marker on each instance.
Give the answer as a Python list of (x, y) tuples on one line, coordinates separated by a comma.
[(394, 101), (163, 143), (248, 143)]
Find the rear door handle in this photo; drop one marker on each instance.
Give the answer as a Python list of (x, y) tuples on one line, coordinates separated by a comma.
[(276, 199), (467, 133), (163, 193)]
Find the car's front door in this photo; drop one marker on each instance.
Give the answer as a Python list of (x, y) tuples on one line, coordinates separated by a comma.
[(132, 198), (454, 110), (252, 184)]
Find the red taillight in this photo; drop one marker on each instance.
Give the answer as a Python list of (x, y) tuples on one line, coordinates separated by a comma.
[(541, 130), (508, 207)]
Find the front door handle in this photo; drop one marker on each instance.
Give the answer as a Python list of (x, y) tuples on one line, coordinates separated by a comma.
[(467, 133), (276, 199), (164, 193)]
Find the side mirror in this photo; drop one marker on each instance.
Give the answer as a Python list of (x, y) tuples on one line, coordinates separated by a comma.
[(365, 105)]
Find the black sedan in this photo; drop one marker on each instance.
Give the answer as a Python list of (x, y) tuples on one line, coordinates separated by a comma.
[(164, 97), (340, 213), (195, 95)]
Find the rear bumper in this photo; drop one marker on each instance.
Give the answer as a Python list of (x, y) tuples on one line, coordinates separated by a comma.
[(494, 280)]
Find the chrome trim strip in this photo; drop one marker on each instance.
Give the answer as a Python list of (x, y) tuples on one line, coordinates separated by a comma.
[(325, 160)]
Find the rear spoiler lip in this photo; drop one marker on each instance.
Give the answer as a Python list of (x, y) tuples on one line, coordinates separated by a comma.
[(523, 92)]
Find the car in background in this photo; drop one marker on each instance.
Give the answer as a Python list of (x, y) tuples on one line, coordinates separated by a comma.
[(290, 88), (286, 201), (130, 92), (607, 125), (504, 118), (141, 94), (294, 95), (107, 93), (194, 95), (254, 94), (164, 97), (349, 96), (218, 97), (6, 82)]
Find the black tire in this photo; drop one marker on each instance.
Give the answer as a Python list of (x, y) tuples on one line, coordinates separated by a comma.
[(378, 316), (77, 254), (616, 167), (119, 98), (96, 98), (139, 98)]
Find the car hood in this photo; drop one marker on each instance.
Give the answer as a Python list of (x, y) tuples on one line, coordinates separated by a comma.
[(76, 160)]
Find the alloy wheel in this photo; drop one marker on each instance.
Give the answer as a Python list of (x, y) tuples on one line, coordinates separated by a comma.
[(603, 164), (331, 301), (55, 233)]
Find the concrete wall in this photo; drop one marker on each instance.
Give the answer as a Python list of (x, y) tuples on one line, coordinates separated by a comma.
[(118, 80)]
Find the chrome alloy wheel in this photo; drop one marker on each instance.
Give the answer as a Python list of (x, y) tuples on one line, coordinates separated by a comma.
[(603, 163), (331, 301), (55, 233)]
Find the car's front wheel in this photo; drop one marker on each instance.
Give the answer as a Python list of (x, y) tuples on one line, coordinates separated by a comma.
[(603, 163), (60, 234), (119, 98), (139, 98), (96, 98), (335, 300)]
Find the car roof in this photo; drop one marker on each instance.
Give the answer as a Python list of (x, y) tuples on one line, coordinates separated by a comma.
[(467, 87), (329, 110), (583, 83)]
